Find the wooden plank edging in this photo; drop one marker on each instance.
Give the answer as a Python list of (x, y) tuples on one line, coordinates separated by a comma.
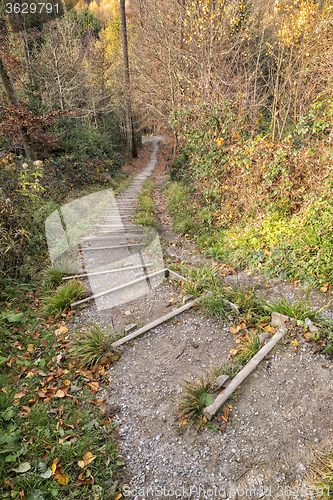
[(155, 323), (120, 287), (210, 411)]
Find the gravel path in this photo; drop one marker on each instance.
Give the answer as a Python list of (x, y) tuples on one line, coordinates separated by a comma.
[(279, 412)]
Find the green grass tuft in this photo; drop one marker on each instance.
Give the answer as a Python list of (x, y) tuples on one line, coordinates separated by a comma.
[(60, 299), (91, 346)]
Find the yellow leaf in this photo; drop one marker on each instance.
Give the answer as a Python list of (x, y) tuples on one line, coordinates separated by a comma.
[(63, 479), (30, 347), (324, 289), (127, 313), (81, 464), (67, 382), (294, 343), (54, 468), (238, 341), (269, 329), (88, 457), (62, 329), (4, 389), (60, 394), (118, 496)]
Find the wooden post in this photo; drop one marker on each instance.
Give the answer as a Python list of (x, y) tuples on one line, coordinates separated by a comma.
[(210, 411)]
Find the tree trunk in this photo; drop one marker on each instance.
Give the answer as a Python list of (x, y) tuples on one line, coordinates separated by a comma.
[(129, 117), (25, 137)]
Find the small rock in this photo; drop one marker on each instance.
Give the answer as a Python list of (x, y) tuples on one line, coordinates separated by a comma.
[(131, 327), (264, 337), (187, 298), (222, 381)]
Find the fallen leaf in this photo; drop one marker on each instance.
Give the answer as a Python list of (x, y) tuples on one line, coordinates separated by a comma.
[(96, 402), (269, 329), (62, 440), (88, 458), (61, 330), (47, 474), (63, 479), (226, 414), (294, 343), (9, 483), (22, 468), (234, 330), (127, 313), (94, 386), (54, 465), (80, 481), (119, 494), (19, 395), (60, 394), (61, 411), (323, 289)]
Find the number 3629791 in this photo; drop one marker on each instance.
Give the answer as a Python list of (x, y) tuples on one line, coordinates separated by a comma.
[(32, 8)]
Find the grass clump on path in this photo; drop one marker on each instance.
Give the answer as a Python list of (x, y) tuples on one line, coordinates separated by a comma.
[(93, 345)]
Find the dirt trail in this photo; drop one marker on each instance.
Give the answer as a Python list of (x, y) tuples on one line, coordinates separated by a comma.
[(279, 412)]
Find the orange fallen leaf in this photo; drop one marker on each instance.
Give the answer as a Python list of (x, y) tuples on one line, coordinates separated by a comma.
[(323, 289), (94, 386), (61, 411), (269, 329), (234, 330), (96, 402), (226, 413)]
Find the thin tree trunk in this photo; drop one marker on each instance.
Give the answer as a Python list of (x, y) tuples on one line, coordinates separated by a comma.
[(25, 136), (129, 116)]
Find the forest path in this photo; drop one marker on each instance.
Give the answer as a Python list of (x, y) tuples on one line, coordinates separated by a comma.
[(280, 410)]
